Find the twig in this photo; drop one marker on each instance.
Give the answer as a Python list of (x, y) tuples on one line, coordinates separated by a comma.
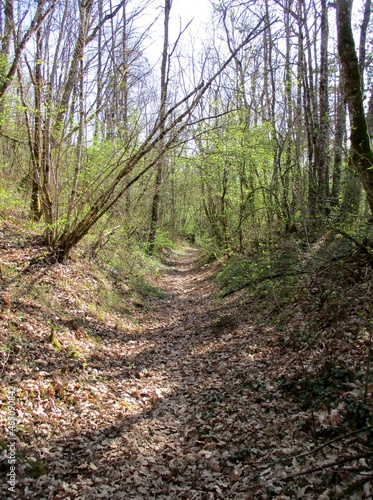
[(328, 443), (326, 466)]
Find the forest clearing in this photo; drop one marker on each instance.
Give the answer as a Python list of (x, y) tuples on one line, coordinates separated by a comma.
[(178, 392)]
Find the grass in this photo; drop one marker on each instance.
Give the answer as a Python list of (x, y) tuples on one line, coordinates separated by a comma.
[(267, 271)]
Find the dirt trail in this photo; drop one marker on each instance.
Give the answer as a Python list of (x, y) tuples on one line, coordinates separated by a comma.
[(182, 408), (177, 396), (195, 420), (186, 285)]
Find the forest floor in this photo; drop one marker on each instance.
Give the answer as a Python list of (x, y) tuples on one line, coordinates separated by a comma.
[(182, 394)]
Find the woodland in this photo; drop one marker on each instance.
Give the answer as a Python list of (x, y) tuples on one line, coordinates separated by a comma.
[(186, 249)]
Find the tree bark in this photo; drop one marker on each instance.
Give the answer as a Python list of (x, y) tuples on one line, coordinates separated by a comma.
[(321, 150), (310, 108), (36, 210), (160, 167), (361, 151), (339, 138)]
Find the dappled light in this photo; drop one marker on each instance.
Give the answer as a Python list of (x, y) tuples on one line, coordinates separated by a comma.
[(186, 249), (191, 395)]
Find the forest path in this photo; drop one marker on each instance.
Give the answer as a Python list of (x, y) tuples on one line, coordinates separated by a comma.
[(200, 416), (178, 405), (173, 392)]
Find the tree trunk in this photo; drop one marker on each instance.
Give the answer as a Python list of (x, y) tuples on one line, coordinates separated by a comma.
[(160, 167), (73, 74), (36, 211), (361, 151), (321, 149), (340, 133), (6, 35), (310, 108)]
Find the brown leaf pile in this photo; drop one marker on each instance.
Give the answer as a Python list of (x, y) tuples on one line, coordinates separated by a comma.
[(190, 397)]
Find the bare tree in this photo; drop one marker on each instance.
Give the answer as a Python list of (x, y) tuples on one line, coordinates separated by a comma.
[(36, 22), (163, 135)]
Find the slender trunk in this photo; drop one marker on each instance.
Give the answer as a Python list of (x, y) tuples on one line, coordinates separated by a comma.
[(98, 128), (286, 172), (321, 150), (36, 211), (79, 147), (160, 167), (272, 102), (299, 198), (363, 62), (310, 106), (370, 116), (5, 49), (340, 134), (73, 74), (363, 39)]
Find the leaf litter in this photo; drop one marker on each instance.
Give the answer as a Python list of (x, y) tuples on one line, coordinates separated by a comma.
[(190, 397)]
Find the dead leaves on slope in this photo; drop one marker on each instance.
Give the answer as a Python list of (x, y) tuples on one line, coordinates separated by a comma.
[(185, 399)]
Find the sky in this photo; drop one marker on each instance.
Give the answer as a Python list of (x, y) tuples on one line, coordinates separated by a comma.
[(198, 12)]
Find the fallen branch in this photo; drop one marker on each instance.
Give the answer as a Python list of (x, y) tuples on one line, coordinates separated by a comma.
[(327, 465), (264, 278), (362, 246), (328, 443)]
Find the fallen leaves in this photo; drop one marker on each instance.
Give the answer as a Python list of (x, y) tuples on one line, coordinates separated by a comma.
[(182, 399)]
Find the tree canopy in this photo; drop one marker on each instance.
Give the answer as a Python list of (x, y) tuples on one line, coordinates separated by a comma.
[(244, 129)]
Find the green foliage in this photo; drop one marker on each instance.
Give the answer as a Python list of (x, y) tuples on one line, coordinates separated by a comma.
[(111, 300), (10, 198), (236, 272), (97, 161), (57, 228), (35, 469), (162, 241), (357, 413), (131, 271), (4, 66), (270, 262), (56, 344), (235, 167), (211, 249), (358, 228), (74, 352)]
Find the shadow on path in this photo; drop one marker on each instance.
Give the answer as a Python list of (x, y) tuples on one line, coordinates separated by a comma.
[(173, 411)]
